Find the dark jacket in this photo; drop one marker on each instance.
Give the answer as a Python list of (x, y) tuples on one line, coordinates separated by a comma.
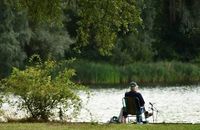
[(135, 94)]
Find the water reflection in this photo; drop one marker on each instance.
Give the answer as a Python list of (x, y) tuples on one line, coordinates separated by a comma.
[(175, 104)]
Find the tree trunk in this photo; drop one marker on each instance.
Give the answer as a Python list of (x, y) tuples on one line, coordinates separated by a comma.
[(172, 11)]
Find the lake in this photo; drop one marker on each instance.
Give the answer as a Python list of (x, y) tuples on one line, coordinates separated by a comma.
[(178, 104), (174, 104)]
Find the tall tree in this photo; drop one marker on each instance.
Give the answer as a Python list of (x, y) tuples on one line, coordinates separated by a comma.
[(176, 27), (99, 22), (11, 53), (42, 11), (47, 41)]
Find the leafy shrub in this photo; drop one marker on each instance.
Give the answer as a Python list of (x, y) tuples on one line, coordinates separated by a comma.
[(41, 90)]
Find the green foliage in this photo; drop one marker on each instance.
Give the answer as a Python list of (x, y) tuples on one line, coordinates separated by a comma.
[(11, 52), (175, 29), (47, 41), (96, 73), (146, 73), (1, 101), (132, 48), (121, 31), (100, 21), (19, 39), (169, 28), (41, 92), (42, 11)]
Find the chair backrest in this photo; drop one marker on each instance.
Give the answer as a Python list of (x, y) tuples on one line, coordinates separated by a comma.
[(131, 105)]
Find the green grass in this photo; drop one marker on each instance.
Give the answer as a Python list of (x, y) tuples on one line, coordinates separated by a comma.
[(96, 73), (144, 73), (58, 126)]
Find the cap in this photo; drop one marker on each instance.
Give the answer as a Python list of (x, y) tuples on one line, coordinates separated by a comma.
[(133, 84)]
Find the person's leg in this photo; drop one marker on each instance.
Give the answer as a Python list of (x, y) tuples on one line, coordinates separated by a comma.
[(142, 113), (122, 116), (139, 116)]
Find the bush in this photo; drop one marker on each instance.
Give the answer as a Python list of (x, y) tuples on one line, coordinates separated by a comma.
[(41, 90)]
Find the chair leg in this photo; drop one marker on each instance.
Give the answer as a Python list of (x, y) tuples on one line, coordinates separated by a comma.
[(125, 118)]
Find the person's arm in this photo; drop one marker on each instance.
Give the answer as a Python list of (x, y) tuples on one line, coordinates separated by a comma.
[(142, 102), (126, 94)]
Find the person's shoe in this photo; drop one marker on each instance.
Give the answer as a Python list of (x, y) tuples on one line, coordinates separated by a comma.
[(140, 123), (147, 114)]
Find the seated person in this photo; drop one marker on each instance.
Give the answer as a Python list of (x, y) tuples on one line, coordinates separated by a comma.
[(134, 93)]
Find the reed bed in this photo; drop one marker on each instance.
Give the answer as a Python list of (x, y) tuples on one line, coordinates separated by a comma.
[(145, 73)]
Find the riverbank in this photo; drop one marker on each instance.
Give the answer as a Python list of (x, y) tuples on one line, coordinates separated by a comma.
[(90, 126), (162, 73)]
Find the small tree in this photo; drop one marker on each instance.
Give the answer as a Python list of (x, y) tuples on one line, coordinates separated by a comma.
[(41, 90)]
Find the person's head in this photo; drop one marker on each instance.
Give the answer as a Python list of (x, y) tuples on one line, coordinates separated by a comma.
[(133, 86)]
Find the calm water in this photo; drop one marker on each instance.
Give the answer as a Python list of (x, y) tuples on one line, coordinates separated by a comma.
[(174, 104)]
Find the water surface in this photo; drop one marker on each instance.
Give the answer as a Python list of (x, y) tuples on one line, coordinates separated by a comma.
[(174, 104)]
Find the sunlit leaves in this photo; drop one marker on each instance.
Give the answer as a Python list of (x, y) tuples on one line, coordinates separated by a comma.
[(102, 20), (99, 23), (42, 91), (40, 11)]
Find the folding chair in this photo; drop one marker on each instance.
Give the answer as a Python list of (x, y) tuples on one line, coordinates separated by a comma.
[(131, 107)]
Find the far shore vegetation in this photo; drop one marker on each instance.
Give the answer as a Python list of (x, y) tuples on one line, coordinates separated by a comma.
[(154, 73)]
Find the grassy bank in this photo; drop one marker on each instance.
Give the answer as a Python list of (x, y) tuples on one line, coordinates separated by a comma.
[(57, 126), (144, 73)]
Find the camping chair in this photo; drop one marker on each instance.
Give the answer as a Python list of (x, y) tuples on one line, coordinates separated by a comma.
[(131, 106)]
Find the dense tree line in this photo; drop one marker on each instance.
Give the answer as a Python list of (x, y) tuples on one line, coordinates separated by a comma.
[(169, 31), (177, 30), (120, 31), (21, 36)]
